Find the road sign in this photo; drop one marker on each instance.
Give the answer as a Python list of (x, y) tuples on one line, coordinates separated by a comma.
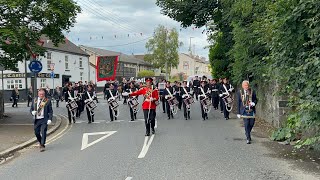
[(1, 68), (52, 66), (35, 66), (52, 75)]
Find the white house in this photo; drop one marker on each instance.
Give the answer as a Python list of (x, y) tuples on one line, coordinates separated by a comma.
[(69, 61)]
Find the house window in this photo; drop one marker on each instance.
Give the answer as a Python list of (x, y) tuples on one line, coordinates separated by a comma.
[(43, 83), (185, 65), (48, 64), (66, 62), (81, 74), (48, 55), (11, 84), (80, 63)]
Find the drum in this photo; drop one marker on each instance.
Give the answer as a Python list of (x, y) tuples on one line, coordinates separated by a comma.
[(113, 104), (133, 102), (173, 101), (206, 102), (91, 105), (188, 101), (72, 105)]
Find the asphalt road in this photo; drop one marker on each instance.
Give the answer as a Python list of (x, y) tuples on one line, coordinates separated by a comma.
[(186, 150)]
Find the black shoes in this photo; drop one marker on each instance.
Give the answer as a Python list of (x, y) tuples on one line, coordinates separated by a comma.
[(89, 122), (147, 134), (248, 142), (153, 131)]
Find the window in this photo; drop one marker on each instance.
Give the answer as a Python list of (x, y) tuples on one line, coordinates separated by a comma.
[(16, 65), (80, 63), (185, 65), (43, 83), (66, 62), (48, 55), (81, 74), (11, 84)]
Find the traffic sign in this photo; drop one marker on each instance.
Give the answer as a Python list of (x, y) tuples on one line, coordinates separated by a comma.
[(52, 66), (35, 66), (52, 75)]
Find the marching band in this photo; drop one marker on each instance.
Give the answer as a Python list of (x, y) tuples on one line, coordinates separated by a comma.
[(210, 93)]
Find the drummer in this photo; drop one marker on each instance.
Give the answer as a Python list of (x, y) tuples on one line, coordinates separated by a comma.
[(185, 93), (168, 94), (131, 89)]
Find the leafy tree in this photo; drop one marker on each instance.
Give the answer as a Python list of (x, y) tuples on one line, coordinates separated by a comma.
[(145, 73), (163, 47), (23, 22)]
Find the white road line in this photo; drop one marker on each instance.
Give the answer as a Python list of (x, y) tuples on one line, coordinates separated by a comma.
[(156, 124), (128, 178), (85, 138), (146, 146), (60, 134)]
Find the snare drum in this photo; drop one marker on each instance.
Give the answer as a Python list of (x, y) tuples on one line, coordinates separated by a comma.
[(113, 104), (206, 102), (91, 105), (173, 101), (133, 102), (188, 101), (72, 105)]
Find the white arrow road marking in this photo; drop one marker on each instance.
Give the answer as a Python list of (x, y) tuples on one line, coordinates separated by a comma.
[(85, 136), (128, 178), (146, 146), (156, 123)]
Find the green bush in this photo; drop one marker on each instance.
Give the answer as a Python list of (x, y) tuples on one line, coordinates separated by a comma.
[(145, 73)]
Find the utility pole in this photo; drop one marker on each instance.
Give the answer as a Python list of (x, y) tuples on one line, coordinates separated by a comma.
[(190, 49), (165, 54)]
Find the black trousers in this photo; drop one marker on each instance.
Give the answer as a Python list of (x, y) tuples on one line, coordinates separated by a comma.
[(225, 112), (125, 98), (70, 115), (221, 104), (186, 112), (248, 125), (40, 130), (203, 114), (215, 102), (168, 110), (111, 114), (29, 100), (179, 98), (57, 101), (196, 92), (89, 116), (163, 101), (15, 102), (149, 119), (133, 116)]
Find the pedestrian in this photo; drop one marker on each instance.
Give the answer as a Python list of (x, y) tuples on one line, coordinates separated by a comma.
[(15, 96), (57, 95), (41, 109), (247, 101), (196, 85), (149, 105), (30, 95)]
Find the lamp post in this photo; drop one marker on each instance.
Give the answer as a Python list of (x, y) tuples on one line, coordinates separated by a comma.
[(190, 50)]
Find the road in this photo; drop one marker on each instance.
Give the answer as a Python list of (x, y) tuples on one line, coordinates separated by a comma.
[(180, 149)]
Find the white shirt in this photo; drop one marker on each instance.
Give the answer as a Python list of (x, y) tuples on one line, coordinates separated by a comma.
[(41, 116)]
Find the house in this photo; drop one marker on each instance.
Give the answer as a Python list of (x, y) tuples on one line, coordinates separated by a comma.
[(67, 62), (128, 65)]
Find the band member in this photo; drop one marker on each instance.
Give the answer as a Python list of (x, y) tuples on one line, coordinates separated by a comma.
[(112, 95), (81, 93), (168, 94), (125, 88), (78, 93), (185, 93), (220, 98), (177, 90), (105, 89), (196, 84), (30, 94), (132, 88), (41, 109), (163, 100), (247, 101), (57, 95), (214, 87), (15, 96), (149, 105), (225, 90), (69, 96), (203, 93), (88, 97)]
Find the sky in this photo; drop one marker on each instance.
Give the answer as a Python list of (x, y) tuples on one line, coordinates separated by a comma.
[(126, 25)]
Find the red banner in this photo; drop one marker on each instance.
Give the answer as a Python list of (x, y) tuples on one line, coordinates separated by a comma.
[(106, 67)]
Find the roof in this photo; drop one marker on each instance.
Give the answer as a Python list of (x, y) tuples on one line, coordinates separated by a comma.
[(197, 58), (68, 47), (122, 58)]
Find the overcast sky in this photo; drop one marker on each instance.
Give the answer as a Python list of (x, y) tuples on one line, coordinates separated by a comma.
[(102, 20)]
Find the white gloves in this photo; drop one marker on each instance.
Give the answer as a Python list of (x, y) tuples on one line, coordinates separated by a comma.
[(220, 95), (183, 96), (67, 103), (86, 100), (252, 104), (231, 89), (34, 113), (239, 116), (49, 122), (125, 94)]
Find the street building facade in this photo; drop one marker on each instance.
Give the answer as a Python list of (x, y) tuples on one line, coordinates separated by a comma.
[(67, 62)]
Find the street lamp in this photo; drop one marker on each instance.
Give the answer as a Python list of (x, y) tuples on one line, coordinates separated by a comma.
[(190, 50)]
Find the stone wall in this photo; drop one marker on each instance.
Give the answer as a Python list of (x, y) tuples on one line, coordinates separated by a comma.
[(271, 107)]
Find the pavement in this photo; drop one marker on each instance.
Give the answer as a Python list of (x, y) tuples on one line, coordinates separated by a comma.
[(214, 149)]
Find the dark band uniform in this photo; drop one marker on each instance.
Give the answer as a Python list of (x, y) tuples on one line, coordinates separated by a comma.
[(87, 98), (166, 93), (224, 93), (114, 93), (68, 100), (203, 96), (184, 95), (133, 115), (214, 95)]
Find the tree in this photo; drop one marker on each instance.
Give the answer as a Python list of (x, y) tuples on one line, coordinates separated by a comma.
[(145, 73), (163, 48), (23, 22)]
